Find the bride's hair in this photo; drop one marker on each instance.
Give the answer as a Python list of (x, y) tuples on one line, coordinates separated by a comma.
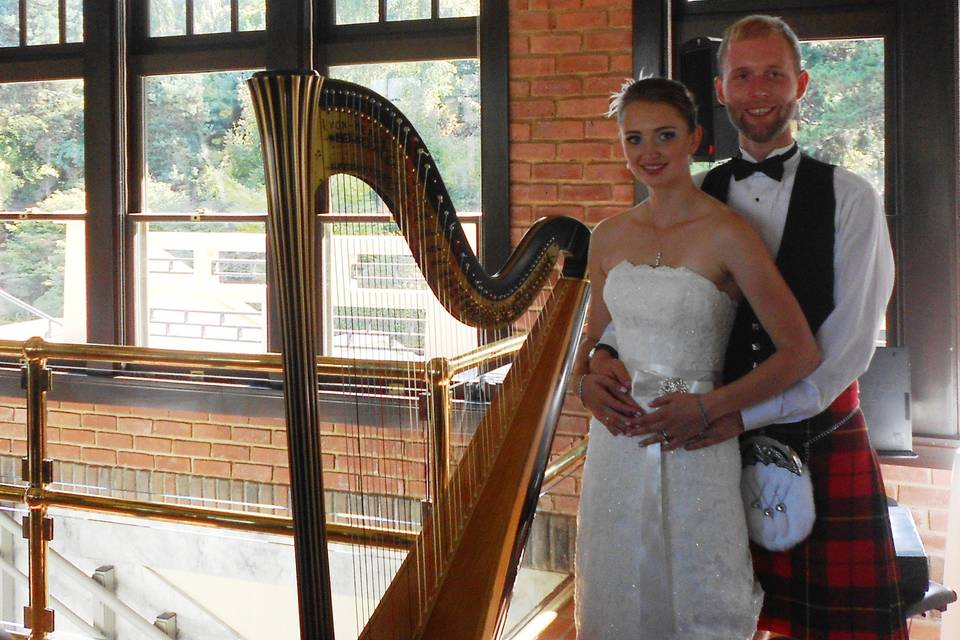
[(660, 90)]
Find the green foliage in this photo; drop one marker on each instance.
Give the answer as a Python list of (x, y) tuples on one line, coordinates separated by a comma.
[(842, 115), (32, 266), (442, 100)]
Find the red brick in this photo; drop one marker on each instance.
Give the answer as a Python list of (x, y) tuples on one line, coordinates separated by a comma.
[(229, 451), (623, 193), (533, 151), (12, 430), (270, 423), (228, 418), (413, 451), (402, 469), (521, 214), (620, 40), (519, 171), (907, 475), (583, 107), (191, 448), (63, 451), (942, 477), (62, 419), (528, 193), (256, 472), (583, 64), (99, 456), (171, 428), (269, 456), (934, 543), (566, 504), (340, 481), (381, 447), (211, 431), (622, 64), (911, 496), (6, 413), (558, 130), (281, 475), (604, 129), (556, 87), (519, 132), (153, 445), (189, 416), (564, 4), (519, 89), (582, 20), (584, 151), (99, 422), (620, 17), (572, 210), (135, 425), (584, 192), (279, 439), (558, 171), (216, 468), (247, 434), (924, 629), (133, 459), (532, 109), (518, 5), (522, 67), (79, 436), (416, 488), (355, 464), (552, 43), (173, 463), (529, 21), (336, 444), (519, 45), (115, 440), (18, 447), (939, 519), (601, 85), (610, 172)]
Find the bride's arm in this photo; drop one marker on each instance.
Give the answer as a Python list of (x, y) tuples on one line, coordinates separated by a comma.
[(745, 258)]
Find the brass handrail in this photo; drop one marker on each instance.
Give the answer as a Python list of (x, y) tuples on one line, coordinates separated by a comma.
[(38, 496)]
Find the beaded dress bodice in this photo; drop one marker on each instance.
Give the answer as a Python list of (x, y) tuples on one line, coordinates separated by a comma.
[(670, 316)]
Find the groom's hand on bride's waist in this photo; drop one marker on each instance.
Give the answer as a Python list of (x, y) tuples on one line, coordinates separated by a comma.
[(721, 429)]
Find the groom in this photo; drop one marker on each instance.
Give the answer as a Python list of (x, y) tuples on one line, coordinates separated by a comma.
[(826, 228)]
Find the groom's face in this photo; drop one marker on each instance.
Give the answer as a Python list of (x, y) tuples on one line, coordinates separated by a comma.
[(760, 87)]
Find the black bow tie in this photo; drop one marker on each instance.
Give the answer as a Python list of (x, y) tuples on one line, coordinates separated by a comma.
[(772, 166)]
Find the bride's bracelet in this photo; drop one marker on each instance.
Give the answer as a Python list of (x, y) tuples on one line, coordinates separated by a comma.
[(703, 414), (580, 388)]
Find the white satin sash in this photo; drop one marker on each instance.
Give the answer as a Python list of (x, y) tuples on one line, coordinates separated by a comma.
[(658, 605)]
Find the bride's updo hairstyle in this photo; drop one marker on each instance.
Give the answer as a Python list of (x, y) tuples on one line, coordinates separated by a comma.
[(659, 90)]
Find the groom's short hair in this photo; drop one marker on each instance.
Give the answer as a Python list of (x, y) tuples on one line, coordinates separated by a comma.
[(758, 26)]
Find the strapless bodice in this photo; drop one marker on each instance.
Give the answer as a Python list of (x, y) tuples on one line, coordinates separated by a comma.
[(669, 316)]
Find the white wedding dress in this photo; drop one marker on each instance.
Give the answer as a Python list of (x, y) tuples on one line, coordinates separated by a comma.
[(662, 548)]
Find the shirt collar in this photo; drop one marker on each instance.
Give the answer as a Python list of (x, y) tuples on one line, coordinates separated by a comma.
[(775, 152)]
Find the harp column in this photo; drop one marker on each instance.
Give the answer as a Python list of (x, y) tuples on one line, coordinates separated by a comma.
[(286, 104)]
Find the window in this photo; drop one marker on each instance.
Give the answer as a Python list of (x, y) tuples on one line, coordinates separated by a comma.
[(139, 180)]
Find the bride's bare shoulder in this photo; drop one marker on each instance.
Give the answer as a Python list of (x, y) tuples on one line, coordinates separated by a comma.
[(611, 230)]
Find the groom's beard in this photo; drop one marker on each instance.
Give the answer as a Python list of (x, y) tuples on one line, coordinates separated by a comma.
[(759, 133)]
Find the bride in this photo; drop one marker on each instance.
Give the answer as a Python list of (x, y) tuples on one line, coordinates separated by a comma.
[(662, 548)]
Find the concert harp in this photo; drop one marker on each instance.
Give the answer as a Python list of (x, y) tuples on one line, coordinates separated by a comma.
[(455, 581)]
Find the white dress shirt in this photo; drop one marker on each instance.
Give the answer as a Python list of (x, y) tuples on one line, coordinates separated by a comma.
[(862, 284)]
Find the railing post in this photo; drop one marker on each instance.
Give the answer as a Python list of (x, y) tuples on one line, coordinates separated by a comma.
[(105, 619), (439, 414), (38, 472)]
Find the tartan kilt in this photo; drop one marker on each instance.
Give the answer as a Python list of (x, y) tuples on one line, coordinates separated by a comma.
[(841, 583)]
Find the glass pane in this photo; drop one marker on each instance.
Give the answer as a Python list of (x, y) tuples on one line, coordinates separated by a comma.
[(74, 20), (168, 17), (43, 283), (356, 11), (252, 15), (43, 21), (842, 115), (9, 23), (442, 100), (202, 144), (13, 433), (203, 286), (41, 146), (459, 8), (408, 9), (211, 16), (13, 579)]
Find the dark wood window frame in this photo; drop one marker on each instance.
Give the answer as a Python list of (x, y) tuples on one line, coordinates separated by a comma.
[(923, 161)]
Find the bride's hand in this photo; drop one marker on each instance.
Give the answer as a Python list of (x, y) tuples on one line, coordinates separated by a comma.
[(676, 419)]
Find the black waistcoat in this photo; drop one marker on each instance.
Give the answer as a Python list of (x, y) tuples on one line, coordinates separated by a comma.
[(805, 259)]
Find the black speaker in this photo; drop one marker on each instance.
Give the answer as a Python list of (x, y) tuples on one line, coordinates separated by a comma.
[(697, 67)]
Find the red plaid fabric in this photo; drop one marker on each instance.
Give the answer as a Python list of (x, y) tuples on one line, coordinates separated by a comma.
[(842, 582)]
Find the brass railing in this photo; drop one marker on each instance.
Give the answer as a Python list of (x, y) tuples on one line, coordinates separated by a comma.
[(34, 356)]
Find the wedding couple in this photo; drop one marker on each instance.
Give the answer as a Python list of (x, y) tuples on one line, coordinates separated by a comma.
[(690, 297)]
